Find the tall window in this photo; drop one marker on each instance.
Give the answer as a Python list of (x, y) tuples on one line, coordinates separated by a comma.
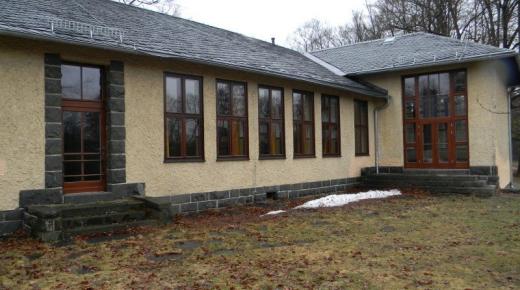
[(232, 132), (183, 117), (330, 125), (303, 123), (270, 119), (361, 127)]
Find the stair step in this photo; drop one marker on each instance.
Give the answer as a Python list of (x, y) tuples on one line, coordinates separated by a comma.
[(440, 183), (438, 172), (104, 219), (107, 228), (405, 177)]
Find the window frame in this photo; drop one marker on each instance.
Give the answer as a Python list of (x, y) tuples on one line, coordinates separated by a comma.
[(365, 127), (230, 118), (183, 116), (330, 124), (270, 120), (304, 123)]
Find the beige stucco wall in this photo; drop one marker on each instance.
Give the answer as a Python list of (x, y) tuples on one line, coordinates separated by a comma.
[(487, 102), (22, 149), (22, 131)]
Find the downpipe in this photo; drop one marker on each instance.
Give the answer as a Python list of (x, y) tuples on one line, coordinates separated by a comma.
[(376, 130)]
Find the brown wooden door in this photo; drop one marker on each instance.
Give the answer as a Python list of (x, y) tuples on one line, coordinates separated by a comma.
[(435, 120), (83, 118)]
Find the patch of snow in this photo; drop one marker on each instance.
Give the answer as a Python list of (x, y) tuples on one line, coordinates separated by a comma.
[(274, 212), (343, 199)]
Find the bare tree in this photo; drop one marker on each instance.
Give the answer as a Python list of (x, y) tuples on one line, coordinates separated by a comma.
[(163, 6), (313, 35)]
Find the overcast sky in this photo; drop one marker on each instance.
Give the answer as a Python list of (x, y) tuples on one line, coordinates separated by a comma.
[(264, 19)]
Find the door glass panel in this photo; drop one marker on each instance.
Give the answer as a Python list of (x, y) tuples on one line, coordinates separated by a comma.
[(410, 133), (71, 132), (71, 82), (411, 154), (427, 143), (461, 132), (442, 142), (72, 168), (460, 105), (462, 153), (91, 83), (92, 167), (91, 136)]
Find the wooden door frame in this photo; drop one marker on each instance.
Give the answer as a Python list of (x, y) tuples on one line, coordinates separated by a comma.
[(435, 121)]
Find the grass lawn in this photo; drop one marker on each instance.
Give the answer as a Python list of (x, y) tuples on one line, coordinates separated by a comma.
[(411, 241)]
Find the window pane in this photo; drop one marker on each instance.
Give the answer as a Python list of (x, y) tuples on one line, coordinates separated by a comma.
[(174, 137), (308, 147), (71, 132), (297, 137), (91, 136), (92, 167), (364, 141), (192, 96), (460, 81), (462, 153), (442, 141), (263, 103), (411, 155), (460, 105), (276, 101), (461, 132), (440, 105), (71, 82), (238, 140), (410, 133), (297, 106), (333, 110), (173, 95), (192, 137), (276, 141), (334, 149), (72, 168), (223, 137), (409, 109), (325, 139), (325, 109), (424, 100), (239, 100), (409, 87), (444, 83), (223, 98), (264, 137), (91, 83), (308, 107), (427, 143)]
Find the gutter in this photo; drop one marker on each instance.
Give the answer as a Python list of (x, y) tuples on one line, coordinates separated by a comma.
[(376, 130), (134, 50)]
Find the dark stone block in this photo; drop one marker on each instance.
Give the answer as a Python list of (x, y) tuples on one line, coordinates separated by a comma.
[(202, 196), (285, 187), (246, 191), (53, 130), (53, 146), (294, 194), (297, 186), (483, 170), (116, 91), (11, 215), (205, 205), (246, 199), (41, 196), (53, 114), (117, 133), (9, 227), (117, 65), (127, 188), (53, 163), (273, 188), (189, 207), (53, 179), (52, 59), (218, 195), (234, 193), (116, 161), (283, 194), (227, 202), (116, 176), (182, 198), (116, 118), (116, 105), (325, 183), (53, 100), (315, 184), (53, 71), (116, 77), (52, 86), (116, 147)]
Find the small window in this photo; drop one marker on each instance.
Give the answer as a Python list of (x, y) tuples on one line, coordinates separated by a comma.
[(361, 127), (303, 123), (183, 117), (270, 119), (80, 82), (330, 125), (232, 129)]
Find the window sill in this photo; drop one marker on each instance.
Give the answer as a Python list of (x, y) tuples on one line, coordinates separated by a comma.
[(271, 157), (233, 158), (332, 156), (184, 160), (304, 156), (363, 155)]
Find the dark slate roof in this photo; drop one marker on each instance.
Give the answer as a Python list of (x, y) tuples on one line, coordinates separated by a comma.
[(148, 32), (406, 51)]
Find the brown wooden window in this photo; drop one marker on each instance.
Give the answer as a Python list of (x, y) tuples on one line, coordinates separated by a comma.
[(271, 122), (361, 127), (232, 130), (303, 123), (183, 117), (330, 125)]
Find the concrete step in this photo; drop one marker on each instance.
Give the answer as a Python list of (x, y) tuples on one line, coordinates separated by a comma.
[(440, 183), (86, 209), (105, 219), (421, 177), (439, 172), (107, 228)]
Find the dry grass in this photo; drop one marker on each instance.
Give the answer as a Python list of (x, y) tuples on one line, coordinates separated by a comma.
[(405, 242)]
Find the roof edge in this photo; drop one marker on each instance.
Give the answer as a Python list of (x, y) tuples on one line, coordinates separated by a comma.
[(325, 64), (29, 34)]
